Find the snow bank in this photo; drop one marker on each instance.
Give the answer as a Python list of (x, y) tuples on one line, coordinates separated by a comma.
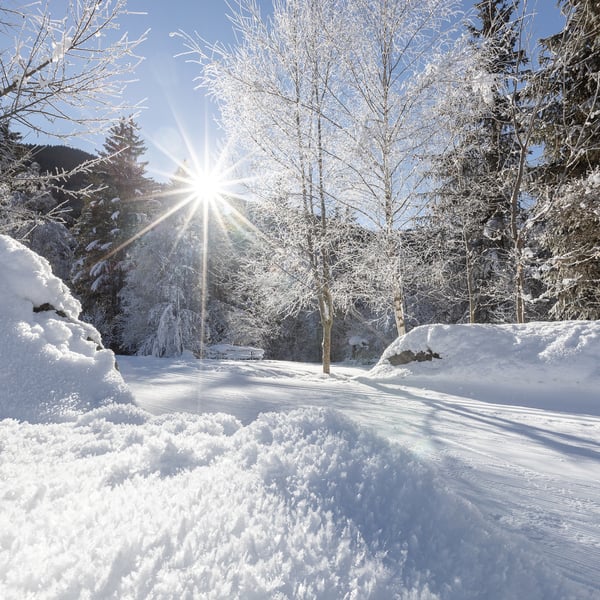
[(554, 356), (298, 505), (51, 364), (231, 352)]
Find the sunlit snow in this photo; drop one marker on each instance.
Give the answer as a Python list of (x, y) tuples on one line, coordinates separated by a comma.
[(469, 476)]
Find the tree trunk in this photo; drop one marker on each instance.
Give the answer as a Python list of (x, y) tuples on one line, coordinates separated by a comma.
[(470, 282), (326, 312), (399, 311), (516, 236)]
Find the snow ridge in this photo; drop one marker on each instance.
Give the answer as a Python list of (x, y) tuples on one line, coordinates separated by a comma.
[(296, 505)]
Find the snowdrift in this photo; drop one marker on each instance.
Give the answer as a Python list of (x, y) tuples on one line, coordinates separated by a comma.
[(297, 505), (52, 365), (562, 356)]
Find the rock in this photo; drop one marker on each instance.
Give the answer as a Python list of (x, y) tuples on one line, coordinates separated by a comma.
[(408, 356)]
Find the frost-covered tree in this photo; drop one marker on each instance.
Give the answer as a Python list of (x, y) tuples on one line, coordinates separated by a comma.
[(568, 88), (122, 152), (571, 233), (29, 212), (62, 72), (480, 177), (387, 57), (63, 65), (111, 219), (162, 295), (276, 91), (569, 126)]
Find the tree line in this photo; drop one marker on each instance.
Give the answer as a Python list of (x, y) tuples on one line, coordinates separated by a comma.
[(403, 166)]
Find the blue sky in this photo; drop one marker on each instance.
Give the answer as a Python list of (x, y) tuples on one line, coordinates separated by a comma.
[(175, 111)]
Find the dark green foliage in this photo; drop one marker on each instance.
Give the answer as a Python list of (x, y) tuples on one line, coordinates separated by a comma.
[(470, 215), (109, 222), (572, 235), (568, 82)]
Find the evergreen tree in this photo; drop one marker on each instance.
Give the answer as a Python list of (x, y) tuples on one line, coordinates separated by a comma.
[(569, 126), (572, 235), (162, 295), (473, 206), (123, 149), (109, 221), (568, 190)]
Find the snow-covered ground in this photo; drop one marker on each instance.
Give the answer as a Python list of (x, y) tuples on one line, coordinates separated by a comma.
[(473, 475)]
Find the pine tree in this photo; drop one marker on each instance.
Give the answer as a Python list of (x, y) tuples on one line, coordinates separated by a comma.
[(473, 208), (109, 222), (569, 126)]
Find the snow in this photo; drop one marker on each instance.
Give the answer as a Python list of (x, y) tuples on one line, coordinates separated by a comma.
[(507, 363), (232, 352), (51, 367), (469, 476)]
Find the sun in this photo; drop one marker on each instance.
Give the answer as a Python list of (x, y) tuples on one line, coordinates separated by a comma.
[(206, 185)]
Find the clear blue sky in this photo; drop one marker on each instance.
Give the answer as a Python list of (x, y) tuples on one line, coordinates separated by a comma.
[(174, 109)]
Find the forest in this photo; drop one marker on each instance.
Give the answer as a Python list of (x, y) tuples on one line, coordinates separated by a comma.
[(395, 164)]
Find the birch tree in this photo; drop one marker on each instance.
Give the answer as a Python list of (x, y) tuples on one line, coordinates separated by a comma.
[(275, 91), (391, 84)]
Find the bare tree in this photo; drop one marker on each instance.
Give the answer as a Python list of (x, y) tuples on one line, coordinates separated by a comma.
[(69, 69), (61, 75), (388, 65)]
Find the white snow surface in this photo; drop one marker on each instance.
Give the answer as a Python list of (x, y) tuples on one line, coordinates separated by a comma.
[(263, 479), (506, 363), (50, 368)]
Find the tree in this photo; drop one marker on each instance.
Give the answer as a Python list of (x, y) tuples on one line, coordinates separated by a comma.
[(162, 296), (567, 209), (568, 82), (387, 63), (65, 69), (30, 212), (571, 233), (111, 219), (60, 76), (481, 175), (275, 93)]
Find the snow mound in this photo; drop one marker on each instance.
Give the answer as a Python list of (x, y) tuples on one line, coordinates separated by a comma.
[(52, 365), (299, 505), (521, 354), (231, 352)]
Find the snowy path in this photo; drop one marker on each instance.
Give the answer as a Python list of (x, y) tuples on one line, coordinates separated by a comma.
[(533, 471)]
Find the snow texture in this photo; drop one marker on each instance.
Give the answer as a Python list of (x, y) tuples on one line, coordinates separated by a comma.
[(269, 491), (52, 366), (297, 505)]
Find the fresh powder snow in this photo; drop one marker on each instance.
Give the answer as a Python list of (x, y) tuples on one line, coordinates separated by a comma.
[(51, 364), (471, 475)]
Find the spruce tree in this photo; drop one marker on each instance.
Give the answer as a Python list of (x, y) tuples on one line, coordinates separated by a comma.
[(110, 220), (569, 177), (569, 125), (162, 293), (472, 207)]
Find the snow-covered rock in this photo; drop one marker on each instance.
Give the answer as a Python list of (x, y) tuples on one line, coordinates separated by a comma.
[(52, 366), (563, 354)]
